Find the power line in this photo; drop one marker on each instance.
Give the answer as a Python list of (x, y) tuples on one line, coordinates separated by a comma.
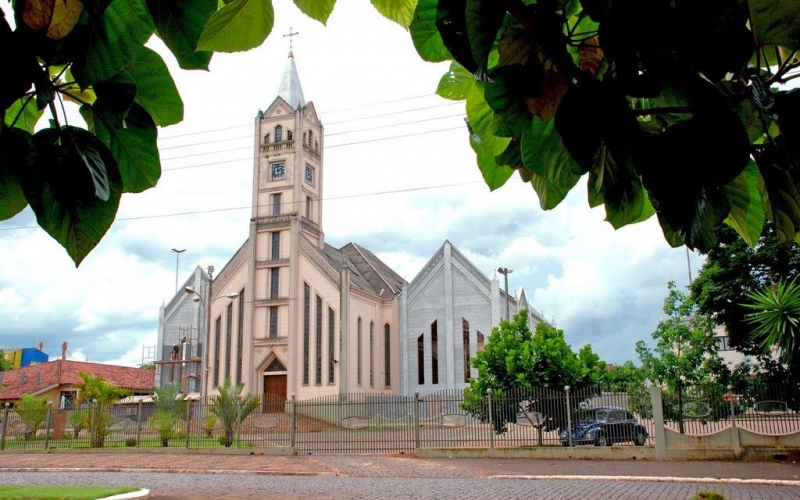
[(230, 209), (365, 141), (321, 115)]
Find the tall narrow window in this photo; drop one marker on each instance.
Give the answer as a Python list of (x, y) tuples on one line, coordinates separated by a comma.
[(273, 322), (288, 135), (266, 139), (217, 351), (359, 353), (465, 346), (228, 340), (421, 359), (274, 282), (306, 332), (331, 346), (308, 207), (479, 346), (318, 350), (278, 133), (371, 354), (240, 338), (310, 137), (434, 353), (276, 204), (276, 245), (387, 356)]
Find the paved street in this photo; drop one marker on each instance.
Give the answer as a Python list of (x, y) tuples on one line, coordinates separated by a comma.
[(195, 476)]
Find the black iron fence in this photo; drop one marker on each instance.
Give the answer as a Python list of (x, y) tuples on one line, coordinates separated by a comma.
[(375, 423)]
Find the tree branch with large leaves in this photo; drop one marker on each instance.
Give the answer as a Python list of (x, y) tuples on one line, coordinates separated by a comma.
[(676, 109), (92, 53)]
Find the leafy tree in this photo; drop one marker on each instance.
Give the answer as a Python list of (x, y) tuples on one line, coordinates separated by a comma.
[(514, 360), (98, 394), (733, 270), (148, 366), (685, 357), (5, 364), (625, 92), (231, 407), (32, 412)]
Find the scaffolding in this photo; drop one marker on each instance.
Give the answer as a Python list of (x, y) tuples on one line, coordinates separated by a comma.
[(183, 367)]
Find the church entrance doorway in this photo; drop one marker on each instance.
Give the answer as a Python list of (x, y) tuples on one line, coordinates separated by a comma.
[(274, 398)]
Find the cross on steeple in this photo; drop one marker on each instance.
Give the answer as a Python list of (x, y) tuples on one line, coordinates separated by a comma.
[(291, 35)]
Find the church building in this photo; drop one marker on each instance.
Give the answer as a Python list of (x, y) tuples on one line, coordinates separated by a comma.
[(291, 314)]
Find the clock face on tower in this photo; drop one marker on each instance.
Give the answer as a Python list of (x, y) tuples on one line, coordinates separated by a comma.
[(309, 174), (278, 170)]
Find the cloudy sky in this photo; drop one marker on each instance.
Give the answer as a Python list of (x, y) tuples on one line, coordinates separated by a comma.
[(400, 179)]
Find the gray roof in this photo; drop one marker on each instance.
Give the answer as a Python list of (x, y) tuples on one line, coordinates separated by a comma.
[(290, 89), (367, 272)]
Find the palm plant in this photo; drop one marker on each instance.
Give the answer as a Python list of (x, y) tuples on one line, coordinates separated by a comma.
[(170, 407), (776, 317), (32, 412), (98, 392), (231, 407)]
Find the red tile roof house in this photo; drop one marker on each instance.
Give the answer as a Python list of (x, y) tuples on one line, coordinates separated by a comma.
[(58, 379)]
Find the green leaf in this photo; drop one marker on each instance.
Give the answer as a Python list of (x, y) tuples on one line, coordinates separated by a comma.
[(456, 84), (483, 141), (73, 172), (316, 9), (484, 20), (157, 92), (16, 152), (23, 114), (425, 35), (452, 25), (133, 145), (551, 166), (241, 25), (776, 22), (747, 209), (399, 11), (115, 96), (784, 198), (114, 38), (179, 24)]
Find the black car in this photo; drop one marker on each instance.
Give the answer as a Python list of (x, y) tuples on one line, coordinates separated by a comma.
[(604, 426)]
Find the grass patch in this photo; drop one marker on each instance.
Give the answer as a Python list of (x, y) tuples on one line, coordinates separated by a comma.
[(61, 492)]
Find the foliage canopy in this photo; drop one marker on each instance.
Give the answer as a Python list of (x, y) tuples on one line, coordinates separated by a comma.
[(677, 109)]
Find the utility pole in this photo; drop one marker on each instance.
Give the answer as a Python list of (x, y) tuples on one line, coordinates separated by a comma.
[(505, 272), (177, 261)]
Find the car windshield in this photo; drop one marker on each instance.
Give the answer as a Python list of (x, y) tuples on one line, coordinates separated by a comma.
[(601, 415)]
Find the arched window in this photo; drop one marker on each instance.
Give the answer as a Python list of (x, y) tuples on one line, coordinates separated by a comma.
[(310, 137), (288, 135), (278, 133), (266, 139)]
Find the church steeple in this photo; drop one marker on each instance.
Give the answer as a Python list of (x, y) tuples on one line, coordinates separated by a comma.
[(290, 89)]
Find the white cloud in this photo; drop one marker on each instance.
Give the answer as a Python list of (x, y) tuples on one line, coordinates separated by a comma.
[(401, 198)]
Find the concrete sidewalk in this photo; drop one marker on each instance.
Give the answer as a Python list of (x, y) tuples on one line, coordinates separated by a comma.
[(244, 462)]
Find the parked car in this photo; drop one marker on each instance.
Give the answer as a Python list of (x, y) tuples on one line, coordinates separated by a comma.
[(604, 426)]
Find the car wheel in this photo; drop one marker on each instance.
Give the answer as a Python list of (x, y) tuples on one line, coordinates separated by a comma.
[(640, 438), (602, 440)]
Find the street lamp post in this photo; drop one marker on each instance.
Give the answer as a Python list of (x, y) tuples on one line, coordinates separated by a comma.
[(505, 272), (207, 331), (178, 253)]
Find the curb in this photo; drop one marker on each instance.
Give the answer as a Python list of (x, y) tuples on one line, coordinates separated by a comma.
[(651, 479), (165, 471), (143, 493)]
